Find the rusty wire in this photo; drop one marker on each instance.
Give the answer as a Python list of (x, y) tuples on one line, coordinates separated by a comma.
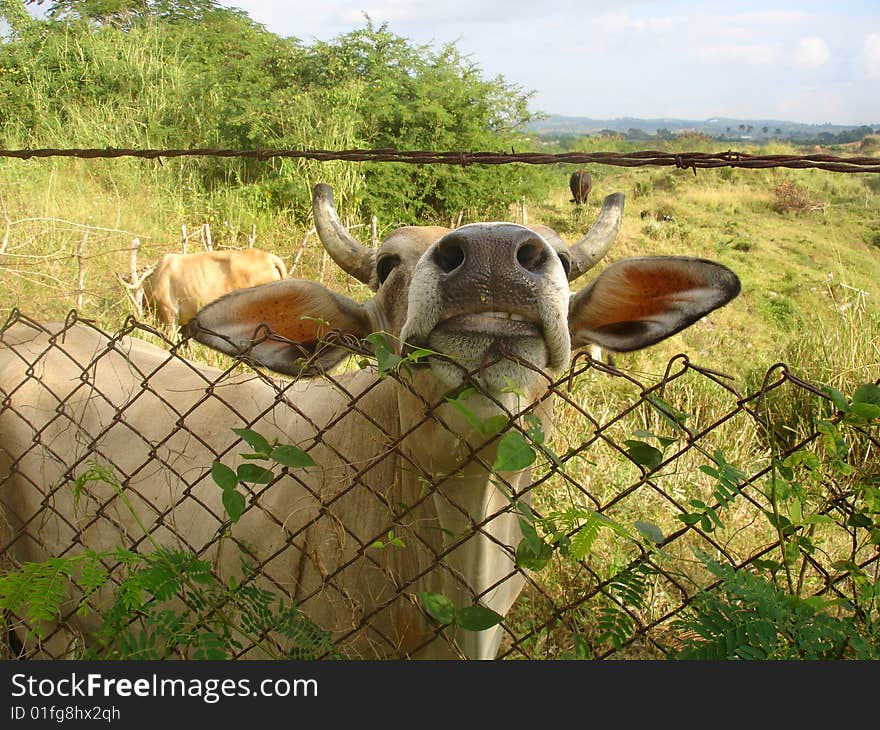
[(683, 160), (563, 604)]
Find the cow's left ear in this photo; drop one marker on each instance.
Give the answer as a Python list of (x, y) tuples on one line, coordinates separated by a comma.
[(637, 302), (281, 325)]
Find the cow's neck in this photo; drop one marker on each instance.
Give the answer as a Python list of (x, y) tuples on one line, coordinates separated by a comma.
[(474, 509)]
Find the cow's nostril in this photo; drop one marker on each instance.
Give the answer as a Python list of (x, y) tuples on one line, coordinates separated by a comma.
[(450, 255), (530, 254)]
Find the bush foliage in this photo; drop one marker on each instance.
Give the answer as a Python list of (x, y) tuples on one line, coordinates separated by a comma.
[(161, 74)]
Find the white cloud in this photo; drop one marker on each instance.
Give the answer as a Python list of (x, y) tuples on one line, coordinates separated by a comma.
[(752, 54), (871, 56), (812, 52), (602, 58)]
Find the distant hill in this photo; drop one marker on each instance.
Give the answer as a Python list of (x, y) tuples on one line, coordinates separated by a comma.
[(558, 125)]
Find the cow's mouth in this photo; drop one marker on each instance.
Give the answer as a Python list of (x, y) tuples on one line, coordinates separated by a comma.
[(492, 324)]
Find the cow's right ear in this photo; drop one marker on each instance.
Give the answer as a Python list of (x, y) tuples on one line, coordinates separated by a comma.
[(281, 325), (639, 301)]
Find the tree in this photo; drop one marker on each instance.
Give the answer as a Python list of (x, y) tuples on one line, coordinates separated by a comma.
[(415, 97), (126, 13), (13, 12)]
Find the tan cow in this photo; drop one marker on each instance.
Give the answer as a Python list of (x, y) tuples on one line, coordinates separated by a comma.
[(183, 283), (391, 453)]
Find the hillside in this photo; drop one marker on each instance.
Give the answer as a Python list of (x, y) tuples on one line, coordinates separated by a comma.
[(558, 125)]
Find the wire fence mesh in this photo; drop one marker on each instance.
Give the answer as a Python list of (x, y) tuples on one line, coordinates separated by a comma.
[(367, 533)]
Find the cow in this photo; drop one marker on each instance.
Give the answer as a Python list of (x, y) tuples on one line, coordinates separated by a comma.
[(182, 283), (484, 318), (581, 182)]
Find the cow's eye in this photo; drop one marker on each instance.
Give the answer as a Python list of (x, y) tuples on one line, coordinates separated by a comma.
[(565, 258), (385, 265)]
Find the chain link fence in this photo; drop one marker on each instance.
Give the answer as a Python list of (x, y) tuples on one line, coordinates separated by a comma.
[(638, 490)]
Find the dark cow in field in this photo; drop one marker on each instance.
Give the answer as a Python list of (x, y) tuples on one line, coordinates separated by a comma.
[(581, 182)]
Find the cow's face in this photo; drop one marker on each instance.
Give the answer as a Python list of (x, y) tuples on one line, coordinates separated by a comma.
[(492, 298), (487, 295)]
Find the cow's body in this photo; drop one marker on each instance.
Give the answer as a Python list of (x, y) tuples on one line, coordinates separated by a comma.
[(392, 454), (182, 283), (304, 549), (580, 183)]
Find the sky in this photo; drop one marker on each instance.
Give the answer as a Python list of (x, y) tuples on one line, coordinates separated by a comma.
[(806, 61)]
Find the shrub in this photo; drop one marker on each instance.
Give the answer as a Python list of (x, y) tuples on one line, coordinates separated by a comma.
[(789, 196)]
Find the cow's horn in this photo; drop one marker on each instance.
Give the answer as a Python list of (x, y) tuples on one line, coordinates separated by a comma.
[(587, 252), (353, 257)]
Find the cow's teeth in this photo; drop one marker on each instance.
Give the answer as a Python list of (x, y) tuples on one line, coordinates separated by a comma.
[(506, 315)]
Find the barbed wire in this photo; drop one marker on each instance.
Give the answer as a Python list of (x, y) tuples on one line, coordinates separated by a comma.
[(682, 160)]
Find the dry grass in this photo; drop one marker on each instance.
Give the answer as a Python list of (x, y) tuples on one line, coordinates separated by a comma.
[(789, 197)]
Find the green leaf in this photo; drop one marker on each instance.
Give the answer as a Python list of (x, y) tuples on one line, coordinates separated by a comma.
[(530, 534), (224, 477), (526, 557), (514, 453), (292, 456), (534, 428), (770, 565), (652, 532), (254, 474), (674, 417), (690, 518), (494, 424), (489, 427), (477, 618), (867, 393), (583, 540), (868, 411), (839, 399), (438, 606), (802, 457), (385, 358), (468, 414), (257, 442), (664, 441), (818, 520), (860, 519), (644, 454), (233, 501), (415, 355)]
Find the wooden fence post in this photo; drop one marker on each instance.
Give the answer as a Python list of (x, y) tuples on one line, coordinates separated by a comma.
[(139, 291), (80, 270), (185, 237), (209, 244), (5, 242), (253, 237)]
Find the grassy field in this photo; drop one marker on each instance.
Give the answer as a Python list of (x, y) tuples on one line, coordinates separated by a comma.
[(811, 282)]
